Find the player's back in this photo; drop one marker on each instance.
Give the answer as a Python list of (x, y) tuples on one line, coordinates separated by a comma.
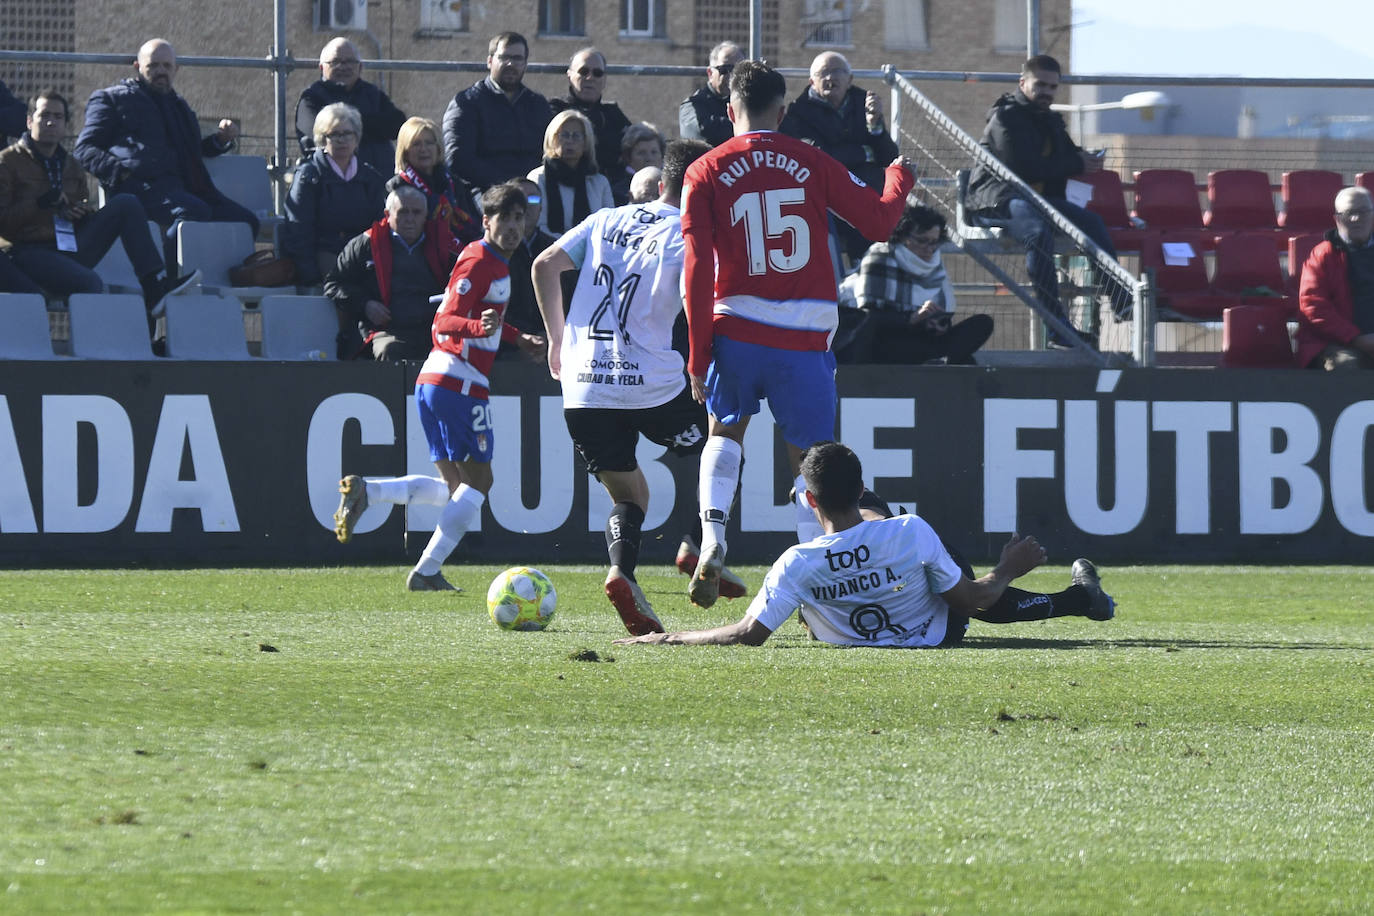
[(877, 583), (769, 196), (617, 348)]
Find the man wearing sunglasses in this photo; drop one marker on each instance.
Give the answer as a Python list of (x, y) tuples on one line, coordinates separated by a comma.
[(586, 85), (701, 116)]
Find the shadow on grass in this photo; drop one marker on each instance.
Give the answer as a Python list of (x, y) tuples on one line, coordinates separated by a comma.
[(1009, 642)]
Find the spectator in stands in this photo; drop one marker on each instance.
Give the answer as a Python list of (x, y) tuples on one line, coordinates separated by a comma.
[(12, 112), (843, 120), (586, 85), (568, 180), (341, 80), (701, 116), (1336, 294), (335, 195), (493, 130), (55, 238), (644, 186), (142, 138), (1033, 142), (385, 277), (420, 165), (902, 286), (523, 309), (641, 146)]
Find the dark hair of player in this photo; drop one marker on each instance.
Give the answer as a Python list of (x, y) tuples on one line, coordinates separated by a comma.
[(504, 200), (52, 95), (1040, 62), (834, 475), (679, 155), (758, 86)]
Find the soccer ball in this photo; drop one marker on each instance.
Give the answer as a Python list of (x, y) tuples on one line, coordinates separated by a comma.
[(521, 598)]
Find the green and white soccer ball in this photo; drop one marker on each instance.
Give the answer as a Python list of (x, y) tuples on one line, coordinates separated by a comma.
[(521, 598)]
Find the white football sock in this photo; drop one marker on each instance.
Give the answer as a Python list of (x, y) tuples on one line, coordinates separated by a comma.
[(717, 482), (808, 528), (415, 489), (457, 518)]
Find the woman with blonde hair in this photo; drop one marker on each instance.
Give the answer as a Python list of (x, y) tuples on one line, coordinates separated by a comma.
[(334, 196), (569, 182), (420, 164)]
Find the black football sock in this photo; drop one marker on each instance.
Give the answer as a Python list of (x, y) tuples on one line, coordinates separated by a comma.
[(1017, 605), (622, 536)]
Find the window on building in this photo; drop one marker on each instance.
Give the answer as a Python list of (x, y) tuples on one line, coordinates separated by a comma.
[(562, 17), (644, 18), (43, 25), (1009, 27), (443, 17), (904, 25), (827, 22)]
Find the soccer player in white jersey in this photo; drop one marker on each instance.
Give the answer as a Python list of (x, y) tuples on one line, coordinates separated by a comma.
[(613, 354), (889, 581), (452, 396), (760, 291)]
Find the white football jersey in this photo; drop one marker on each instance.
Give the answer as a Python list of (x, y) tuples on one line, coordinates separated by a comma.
[(876, 584), (618, 344)]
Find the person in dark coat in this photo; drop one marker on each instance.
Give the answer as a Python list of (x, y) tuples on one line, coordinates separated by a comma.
[(142, 138), (341, 81), (701, 116), (494, 130), (335, 195), (12, 114), (586, 87), (843, 120), (1032, 140), (384, 278)]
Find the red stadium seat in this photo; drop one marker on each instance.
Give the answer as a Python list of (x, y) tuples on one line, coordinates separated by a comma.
[(1109, 202), (1255, 337), (1246, 266), (1299, 247), (1309, 199), (1166, 199), (1184, 288), (1365, 180), (1240, 199)]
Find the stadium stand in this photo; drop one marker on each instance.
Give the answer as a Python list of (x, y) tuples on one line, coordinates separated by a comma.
[(206, 327), (109, 326), (1256, 337), (1241, 200), (1299, 247), (1109, 202), (1167, 200), (27, 332), (1307, 199), (246, 180), (1246, 266), (215, 248), (298, 327)]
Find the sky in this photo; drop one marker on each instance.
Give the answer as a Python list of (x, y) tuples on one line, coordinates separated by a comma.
[(1325, 39)]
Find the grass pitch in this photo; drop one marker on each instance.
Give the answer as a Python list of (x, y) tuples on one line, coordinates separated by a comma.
[(321, 741)]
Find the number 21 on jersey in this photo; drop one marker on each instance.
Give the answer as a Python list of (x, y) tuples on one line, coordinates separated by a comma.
[(764, 220)]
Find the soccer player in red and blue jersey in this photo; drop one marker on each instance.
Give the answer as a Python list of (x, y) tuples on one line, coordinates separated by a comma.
[(451, 393), (760, 289)]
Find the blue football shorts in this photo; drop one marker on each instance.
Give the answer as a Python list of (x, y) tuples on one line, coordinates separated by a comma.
[(457, 426), (798, 384)]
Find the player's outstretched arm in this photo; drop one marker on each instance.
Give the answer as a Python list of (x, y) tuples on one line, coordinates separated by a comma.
[(1019, 556), (746, 632)]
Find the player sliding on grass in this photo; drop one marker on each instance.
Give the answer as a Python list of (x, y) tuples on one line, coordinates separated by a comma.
[(761, 291), (614, 355), (889, 581), (451, 393)]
